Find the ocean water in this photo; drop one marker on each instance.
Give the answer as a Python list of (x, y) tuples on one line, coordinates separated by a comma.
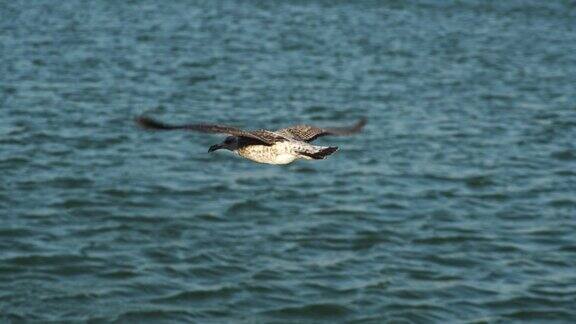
[(456, 204)]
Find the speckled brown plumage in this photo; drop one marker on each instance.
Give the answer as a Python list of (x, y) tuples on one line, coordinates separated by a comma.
[(273, 147), (309, 133)]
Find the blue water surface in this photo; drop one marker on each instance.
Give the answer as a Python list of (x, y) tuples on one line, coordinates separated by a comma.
[(456, 204)]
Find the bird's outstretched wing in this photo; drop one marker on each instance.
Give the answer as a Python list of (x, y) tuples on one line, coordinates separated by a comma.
[(309, 133), (264, 136)]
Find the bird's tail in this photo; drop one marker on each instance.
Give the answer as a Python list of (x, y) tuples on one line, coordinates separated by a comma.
[(319, 154)]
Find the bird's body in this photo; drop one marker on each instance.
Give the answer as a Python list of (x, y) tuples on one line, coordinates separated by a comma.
[(283, 146), (279, 153)]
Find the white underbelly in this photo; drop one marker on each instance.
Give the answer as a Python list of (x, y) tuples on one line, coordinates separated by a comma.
[(278, 154), (283, 159), (278, 159)]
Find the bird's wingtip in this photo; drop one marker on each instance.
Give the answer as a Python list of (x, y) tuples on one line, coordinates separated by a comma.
[(149, 123), (142, 121), (360, 124)]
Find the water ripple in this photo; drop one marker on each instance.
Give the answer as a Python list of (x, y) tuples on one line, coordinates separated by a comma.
[(456, 204)]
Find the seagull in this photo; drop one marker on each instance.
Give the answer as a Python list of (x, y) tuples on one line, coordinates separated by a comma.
[(282, 146)]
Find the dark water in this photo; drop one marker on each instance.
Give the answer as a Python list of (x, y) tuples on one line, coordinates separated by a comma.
[(458, 204)]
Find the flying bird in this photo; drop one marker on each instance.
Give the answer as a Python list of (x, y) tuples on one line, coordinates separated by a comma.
[(282, 146)]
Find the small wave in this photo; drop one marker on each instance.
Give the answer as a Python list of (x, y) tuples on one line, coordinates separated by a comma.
[(442, 240), (451, 261), (15, 232), (12, 162), (66, 182), (392, 205), (213, 218), (479, 182), (72, 203), (543, 315), (119, 274), (206, 63), (207, 294), (154, 315), (247, 206), (563, 203), (565, 155), (323, 310)]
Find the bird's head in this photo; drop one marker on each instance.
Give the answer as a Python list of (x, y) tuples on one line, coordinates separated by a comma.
[(230, 143)]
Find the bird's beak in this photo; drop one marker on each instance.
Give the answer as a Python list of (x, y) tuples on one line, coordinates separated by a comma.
[(214, 148)]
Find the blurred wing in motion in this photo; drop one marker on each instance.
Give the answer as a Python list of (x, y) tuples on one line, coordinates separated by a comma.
[(264, 136), (309, 133)]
